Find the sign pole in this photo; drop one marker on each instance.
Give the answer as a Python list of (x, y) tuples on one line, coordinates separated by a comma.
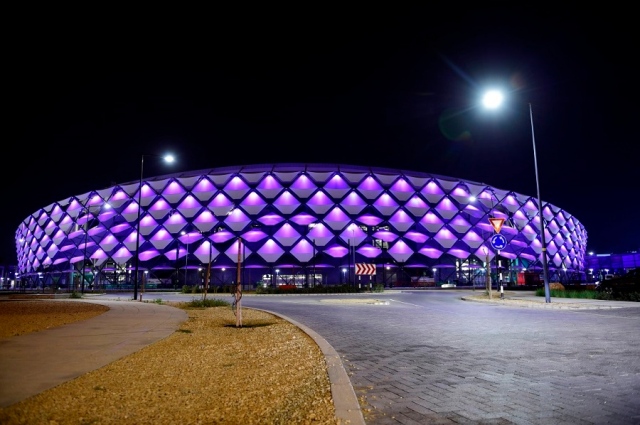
[(498, 242), (488, 283)]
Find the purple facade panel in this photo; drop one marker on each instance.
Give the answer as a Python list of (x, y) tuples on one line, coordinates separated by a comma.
[(330, 214)]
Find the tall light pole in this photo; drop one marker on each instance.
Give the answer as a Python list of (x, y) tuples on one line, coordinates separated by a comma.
[(207, 281), (314, 263), (86, 241), (186, 257), (88, 215), (167, 158), (353, 236), (492, 100), (545, 267)]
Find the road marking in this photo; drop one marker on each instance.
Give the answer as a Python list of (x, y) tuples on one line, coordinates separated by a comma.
[(402, 302)]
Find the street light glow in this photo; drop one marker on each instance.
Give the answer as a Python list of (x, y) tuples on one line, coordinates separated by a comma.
[(492, 99)]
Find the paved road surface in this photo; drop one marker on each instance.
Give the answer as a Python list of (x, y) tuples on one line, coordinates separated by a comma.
[(429, 357)]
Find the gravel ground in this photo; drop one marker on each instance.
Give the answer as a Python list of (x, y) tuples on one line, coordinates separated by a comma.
[(207, 372)]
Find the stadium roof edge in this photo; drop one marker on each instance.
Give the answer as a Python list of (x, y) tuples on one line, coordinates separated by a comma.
[(307, 167)]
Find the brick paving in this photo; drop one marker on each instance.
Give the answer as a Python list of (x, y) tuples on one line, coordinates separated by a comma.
[(430, 358)]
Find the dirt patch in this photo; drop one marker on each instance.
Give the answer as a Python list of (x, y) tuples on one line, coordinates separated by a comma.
[(267, 372), (22, 317)]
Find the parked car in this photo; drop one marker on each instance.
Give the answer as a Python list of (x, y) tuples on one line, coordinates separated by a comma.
[(625, 284)]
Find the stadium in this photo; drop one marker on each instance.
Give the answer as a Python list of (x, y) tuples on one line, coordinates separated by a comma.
[(295, 224)]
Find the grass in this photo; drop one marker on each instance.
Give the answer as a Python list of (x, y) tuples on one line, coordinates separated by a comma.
[(588, 294), (208, 302)]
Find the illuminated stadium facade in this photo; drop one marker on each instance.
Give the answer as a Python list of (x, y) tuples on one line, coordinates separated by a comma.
[(302, 224)]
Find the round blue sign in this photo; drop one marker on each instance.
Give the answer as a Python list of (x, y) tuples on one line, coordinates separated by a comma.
[(498, 242)]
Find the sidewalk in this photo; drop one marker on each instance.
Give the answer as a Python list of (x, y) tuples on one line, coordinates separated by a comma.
[(36, 362), (39, 361)]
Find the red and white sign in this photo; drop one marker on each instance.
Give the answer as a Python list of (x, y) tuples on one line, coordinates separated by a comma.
[(496, 223), (362, 268)]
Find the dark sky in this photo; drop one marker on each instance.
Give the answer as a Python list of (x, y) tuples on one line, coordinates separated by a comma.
[(395, 88)]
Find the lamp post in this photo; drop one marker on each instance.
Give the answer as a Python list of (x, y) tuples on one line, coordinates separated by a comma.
[(186, 257), (314, 263), (167, 158), (492, 100), (87, 210), (86, 241), (177, 279), (207, 281), (353, 237), (186, 262), (545, 267)]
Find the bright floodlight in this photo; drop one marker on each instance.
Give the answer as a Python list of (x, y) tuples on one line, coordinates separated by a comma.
[(169, 158), (492, 99)]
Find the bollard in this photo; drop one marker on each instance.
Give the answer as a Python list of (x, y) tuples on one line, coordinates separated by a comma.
[(501, 292)]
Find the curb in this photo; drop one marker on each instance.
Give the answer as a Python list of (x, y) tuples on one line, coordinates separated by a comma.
[(344, 397), (537, 304)]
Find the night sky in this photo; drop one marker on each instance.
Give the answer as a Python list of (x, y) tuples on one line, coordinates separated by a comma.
[(395, 88)]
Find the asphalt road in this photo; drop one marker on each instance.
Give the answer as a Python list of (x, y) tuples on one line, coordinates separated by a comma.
[(429, 357)]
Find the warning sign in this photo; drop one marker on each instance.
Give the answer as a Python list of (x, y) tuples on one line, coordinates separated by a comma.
[(363, 268), (496, 223)]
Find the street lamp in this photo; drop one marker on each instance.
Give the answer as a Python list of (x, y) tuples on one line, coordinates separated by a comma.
[(492, 99), (314, 263), (169, 159), (186, 257), (86, 209), (353, 237), (86, 241)]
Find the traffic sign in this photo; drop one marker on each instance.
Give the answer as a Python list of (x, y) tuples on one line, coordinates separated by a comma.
[(496, 223), (363, 268), (498, 242)]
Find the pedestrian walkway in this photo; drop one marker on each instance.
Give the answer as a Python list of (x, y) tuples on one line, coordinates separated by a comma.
[(36, 362), (39, 361)]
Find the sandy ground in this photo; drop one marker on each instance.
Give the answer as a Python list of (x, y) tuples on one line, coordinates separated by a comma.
[(207, 372)]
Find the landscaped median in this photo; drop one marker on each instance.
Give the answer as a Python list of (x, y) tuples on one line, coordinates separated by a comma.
[(208, 371), (536, 299)]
